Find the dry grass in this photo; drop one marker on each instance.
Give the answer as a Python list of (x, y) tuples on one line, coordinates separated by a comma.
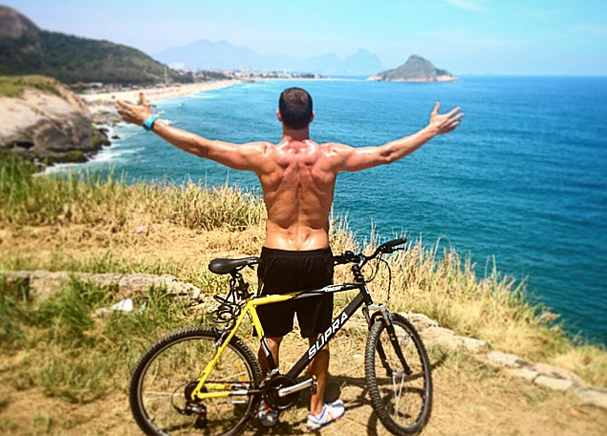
[(90, 223), (86, 223), (93, 199)]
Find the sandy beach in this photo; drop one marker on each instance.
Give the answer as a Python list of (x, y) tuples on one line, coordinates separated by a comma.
[(104, 102)]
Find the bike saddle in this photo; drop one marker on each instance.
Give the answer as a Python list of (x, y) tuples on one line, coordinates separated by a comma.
[(226, 266)]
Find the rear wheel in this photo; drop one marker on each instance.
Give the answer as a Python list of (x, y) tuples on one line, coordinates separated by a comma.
[(400, 396), (167, 373)]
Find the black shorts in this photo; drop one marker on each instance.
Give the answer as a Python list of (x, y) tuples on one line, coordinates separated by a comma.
[(281, 272)]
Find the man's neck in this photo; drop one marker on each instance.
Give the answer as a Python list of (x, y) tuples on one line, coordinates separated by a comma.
[(289, 135)]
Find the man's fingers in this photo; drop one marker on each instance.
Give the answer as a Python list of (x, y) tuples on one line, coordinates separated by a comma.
[(143, 100), (453, 112), (122, 105), (457, 117), (436, 108)]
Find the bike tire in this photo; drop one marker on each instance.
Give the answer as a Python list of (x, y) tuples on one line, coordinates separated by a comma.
[(418, 391), (179, 358)]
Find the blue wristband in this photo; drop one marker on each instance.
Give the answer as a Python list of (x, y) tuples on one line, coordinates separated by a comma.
[(149, 123)]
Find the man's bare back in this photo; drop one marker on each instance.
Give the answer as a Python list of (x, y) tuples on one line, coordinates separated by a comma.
[(298, 192)]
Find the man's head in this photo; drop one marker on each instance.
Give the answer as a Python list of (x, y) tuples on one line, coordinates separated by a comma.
[(295, 108)]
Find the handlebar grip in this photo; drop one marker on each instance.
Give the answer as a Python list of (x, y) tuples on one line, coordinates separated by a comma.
[(394, 243)]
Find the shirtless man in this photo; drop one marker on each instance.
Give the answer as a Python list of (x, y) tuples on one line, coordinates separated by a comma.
[(297, 177)]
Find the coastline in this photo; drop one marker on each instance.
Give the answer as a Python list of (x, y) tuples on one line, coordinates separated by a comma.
[(102, 113), (104, 102), (158, 92)]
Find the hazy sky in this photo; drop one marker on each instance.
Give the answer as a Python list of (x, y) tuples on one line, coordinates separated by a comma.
[(463, 36)]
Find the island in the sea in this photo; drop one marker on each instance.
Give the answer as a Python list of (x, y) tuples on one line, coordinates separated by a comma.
[(416, 69)]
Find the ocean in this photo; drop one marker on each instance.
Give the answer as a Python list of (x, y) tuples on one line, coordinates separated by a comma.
[(523, 179)]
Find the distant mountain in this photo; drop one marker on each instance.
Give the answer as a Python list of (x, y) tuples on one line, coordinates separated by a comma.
[(416, 69), (224, 56), (25, 49)]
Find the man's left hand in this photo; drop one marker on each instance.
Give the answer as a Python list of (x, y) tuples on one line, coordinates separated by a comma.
[(135, 113)]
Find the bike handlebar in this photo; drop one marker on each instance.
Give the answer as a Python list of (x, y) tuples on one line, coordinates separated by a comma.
[(361, 259)]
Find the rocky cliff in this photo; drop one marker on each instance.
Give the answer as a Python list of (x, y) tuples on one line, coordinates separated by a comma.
[(416, 69), (43, 121)]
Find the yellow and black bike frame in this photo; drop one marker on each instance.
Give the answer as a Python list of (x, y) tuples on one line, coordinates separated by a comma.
[(205, 390)]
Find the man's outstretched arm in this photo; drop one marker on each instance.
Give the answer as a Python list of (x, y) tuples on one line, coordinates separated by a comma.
[(357, 159), (239, 157)]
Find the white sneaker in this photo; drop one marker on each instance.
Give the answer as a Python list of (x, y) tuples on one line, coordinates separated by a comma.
[(330, 413), (266, 416)]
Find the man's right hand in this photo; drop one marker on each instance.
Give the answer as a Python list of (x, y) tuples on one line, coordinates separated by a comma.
[(446, 123), (135, 113)]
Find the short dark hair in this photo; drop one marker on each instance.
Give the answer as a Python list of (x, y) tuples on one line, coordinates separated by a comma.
[(295, 106)]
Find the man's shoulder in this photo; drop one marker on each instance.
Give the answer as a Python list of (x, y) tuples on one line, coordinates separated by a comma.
[(262, 147), (334, 148)]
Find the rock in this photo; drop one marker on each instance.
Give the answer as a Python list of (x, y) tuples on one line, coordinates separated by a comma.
[(416, 69), (524, 373), (420, 321), (43, 283), (555, 384), (15, 276), (497, 358), (138, 285), (14, 25), (108, 280), (474, 345), (556, 372), (50, 125), (593, 397), (439, 336), (186, 290), (433, 335)]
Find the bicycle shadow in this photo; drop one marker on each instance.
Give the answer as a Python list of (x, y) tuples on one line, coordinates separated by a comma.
[(335, 384)]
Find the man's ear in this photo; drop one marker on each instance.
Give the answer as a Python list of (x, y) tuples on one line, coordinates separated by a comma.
[(313, 115), (278, 115)]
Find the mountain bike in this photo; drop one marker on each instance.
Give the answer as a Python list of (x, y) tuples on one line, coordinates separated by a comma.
[(206, 380)]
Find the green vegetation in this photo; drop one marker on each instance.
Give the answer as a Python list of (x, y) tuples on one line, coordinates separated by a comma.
[(93, 199), (73, 354), (15, 85), (71, 59), (86, 222)]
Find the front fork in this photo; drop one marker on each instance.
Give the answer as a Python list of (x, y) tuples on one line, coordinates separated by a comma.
[(374, 311)]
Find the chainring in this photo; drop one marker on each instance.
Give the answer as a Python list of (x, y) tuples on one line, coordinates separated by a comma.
[(270, 392)]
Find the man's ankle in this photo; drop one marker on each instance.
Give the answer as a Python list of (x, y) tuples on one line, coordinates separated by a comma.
[(317, 409)]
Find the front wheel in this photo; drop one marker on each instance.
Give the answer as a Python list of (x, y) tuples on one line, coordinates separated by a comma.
[(401, 394), (166, 374)]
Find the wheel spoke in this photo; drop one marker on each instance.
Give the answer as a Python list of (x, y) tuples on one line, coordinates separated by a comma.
[(401, 401), (167, 375)]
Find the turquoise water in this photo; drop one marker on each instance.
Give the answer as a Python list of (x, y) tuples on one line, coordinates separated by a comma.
[(524, 178)]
